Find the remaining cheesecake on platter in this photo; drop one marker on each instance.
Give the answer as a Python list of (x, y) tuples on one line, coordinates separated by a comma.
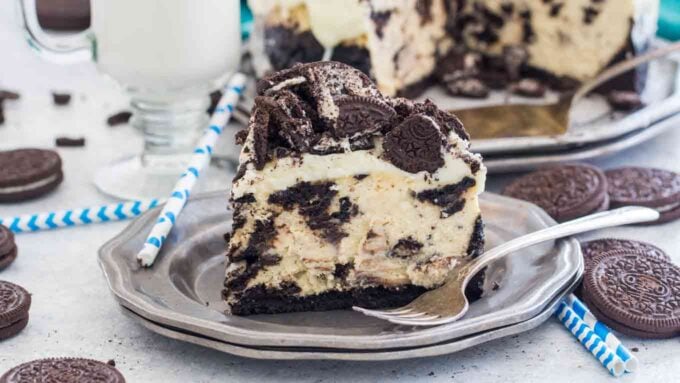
[(347, 197), (467, 44)]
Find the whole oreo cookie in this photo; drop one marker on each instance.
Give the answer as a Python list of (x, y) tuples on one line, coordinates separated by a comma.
[(72, 370), (655, 188), (28, 173), (415, 145), (8, 249), (564, 192), (635, 294), (14, 305)]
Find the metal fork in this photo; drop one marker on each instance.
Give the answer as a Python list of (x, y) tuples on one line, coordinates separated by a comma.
[(448, 303)]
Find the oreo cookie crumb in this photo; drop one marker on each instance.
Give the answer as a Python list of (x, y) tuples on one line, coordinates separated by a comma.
[(69, 142), (529, 87), (61, 99), (8, 95), (624, 100), (122, 117), (447, 197), (467, 87), (405, 248)]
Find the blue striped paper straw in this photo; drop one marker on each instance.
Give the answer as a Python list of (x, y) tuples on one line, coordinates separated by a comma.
[(589, 339), (77, 217), (187, 180), (629, 360)]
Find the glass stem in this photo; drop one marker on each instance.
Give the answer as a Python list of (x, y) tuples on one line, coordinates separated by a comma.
[(170, 129)]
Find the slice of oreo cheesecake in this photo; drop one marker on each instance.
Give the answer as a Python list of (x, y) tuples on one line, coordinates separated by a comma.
[(347, 197)]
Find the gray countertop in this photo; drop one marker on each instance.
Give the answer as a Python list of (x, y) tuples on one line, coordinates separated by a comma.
[(74, 314)]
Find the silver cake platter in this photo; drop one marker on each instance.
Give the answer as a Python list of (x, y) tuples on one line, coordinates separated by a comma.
[(593, 119), (518, 162), (291, 353), (183, 289)]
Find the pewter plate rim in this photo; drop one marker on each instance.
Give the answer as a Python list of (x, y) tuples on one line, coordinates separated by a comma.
[(445, 348), (117, 269), (531, 161)]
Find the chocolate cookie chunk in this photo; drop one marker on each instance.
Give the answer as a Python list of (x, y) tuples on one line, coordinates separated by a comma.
[(28, 173), (655, 188), (14, 305), (415, 145), (624, 100), (8, 249), (63, 15), (564, 192), (72, 370), (637, 293), (361, 116)]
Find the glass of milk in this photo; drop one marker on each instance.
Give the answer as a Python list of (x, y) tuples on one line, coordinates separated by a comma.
[(168, 55)]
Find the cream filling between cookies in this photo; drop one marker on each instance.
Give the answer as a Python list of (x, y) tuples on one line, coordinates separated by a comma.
[(667, 208), (29, 186)]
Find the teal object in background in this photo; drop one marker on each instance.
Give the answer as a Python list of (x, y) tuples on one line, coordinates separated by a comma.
[(246, 20), (669, 20)]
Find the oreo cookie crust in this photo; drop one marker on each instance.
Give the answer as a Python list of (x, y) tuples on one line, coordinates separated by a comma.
[(15, 302), (72, 370), (564, 192), (637, 293), (655, 188), (8, 249), (28, 173)]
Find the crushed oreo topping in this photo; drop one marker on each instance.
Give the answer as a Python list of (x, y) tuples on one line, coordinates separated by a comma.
[(467, 87), (529, 87), (415, 145)]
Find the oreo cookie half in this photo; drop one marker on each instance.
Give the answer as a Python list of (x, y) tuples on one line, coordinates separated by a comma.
[(15, 302), (28, 173), (415, 145), (8, 249), (72, 370), (636, 293), (655, 188), (564, 192)]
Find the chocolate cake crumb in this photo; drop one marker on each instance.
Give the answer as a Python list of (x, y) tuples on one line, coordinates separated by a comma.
[(467, 87)]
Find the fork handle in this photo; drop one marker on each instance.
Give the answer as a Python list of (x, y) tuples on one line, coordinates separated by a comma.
[(617, 217)]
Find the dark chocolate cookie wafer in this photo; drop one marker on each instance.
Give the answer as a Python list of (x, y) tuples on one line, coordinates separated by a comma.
[(8, 249), (564, 192), (655, 188), (14, 305), (28, 173), (72, 370), (635, 292)]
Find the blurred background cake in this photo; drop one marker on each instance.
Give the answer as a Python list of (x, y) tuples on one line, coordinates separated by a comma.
[(405, 45)]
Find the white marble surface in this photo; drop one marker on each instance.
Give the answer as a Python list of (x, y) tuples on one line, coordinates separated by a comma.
[(74, 314)]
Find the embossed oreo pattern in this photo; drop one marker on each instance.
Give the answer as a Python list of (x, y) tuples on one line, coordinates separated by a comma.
[(642, 293), (360, 116), (415, 145), (564, 192), (15, 302), (643, 186), (592, 249), (72, 370)]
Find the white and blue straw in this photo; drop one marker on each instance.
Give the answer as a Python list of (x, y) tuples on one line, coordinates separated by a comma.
[(77, 217), (587, 337), (629, 360), (187, 180)]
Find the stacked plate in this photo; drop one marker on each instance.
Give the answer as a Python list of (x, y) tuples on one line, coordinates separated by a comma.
[(180, 296), (595, 131)]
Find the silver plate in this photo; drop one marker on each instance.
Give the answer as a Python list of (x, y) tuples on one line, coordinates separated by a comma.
[(182, 290), (593, 119), (280, 353), (517, 162)]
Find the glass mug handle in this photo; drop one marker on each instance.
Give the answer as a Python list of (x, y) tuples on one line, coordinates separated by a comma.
[(66, 48)]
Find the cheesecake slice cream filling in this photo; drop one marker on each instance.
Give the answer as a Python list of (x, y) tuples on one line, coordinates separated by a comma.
[(388, 211)]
